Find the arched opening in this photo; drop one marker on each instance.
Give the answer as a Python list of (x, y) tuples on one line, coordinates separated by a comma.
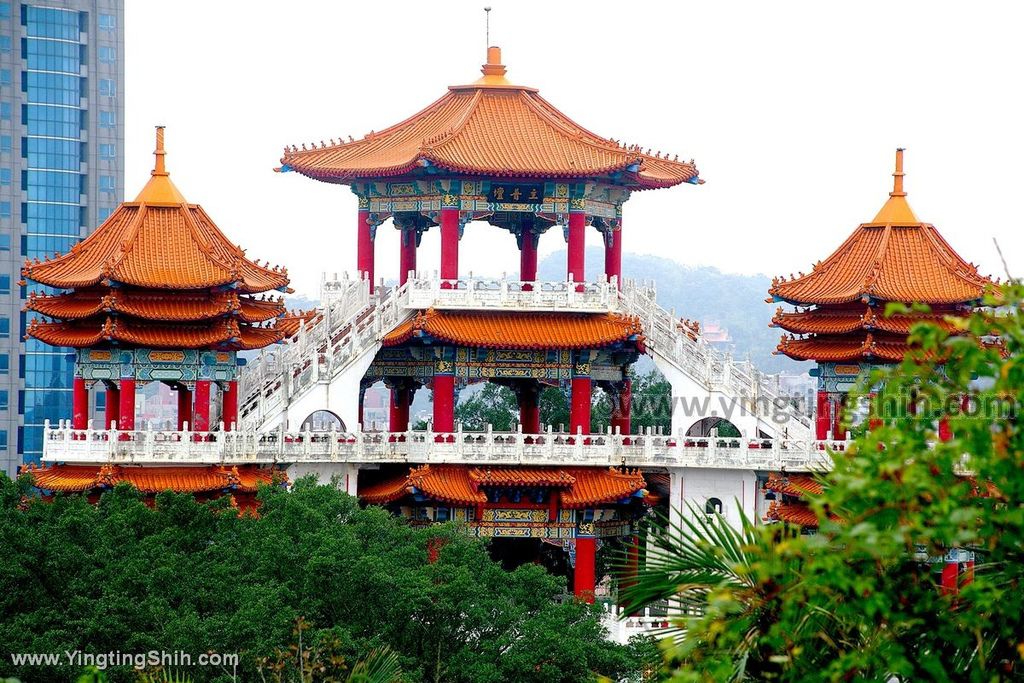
[(704, 426), (713, 506), (323, 421)]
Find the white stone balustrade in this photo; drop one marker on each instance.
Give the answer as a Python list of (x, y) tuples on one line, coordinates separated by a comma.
[(63, 444), (354, 320), (621, 627)]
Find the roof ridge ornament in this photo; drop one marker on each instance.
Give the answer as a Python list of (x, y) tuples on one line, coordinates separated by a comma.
[(897, 183), (160, 167)]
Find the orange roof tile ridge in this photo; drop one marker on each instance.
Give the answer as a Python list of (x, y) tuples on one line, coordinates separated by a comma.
[(454, 129), (552, 114)]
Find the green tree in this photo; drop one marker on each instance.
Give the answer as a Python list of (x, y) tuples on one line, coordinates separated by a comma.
[(124, 576), (861, 600)]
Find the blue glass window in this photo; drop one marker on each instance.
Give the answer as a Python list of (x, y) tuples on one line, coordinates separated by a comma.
[(5, 326), (61, 122), (54, 186), (107, 183), (5, 399), (5, 10), (5, 176), (5, 43), (103, 213), (6, 144), (108, 119), (47, 88), (5, 209), (5, 361), (5, 77), (46, 371), (108, 87), (107, 151), (5, 242), (53, 55), (108, 22), (5, 284), (45, 245), (54, 154), (108, 55), (50, 22), (3, 439), (5, 111)]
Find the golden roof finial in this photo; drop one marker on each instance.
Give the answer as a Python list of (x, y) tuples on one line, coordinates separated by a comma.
[(896, 210), (160, 168), (160, 189), (897, 184)]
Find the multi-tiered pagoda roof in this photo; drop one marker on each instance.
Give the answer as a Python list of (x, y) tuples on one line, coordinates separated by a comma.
[(157, 273), (894, 258), (489, 128)]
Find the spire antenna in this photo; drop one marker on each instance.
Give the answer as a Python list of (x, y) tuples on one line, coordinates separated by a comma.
[(897, 185), (487, 27), (159, 168)]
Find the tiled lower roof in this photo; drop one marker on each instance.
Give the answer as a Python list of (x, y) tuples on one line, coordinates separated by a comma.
[(217, 333), (460, 485), (195, 479)]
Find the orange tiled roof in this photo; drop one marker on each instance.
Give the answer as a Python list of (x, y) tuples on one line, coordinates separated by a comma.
[(491, 128), (837, 349), (289, 324), (196, 479), (219, 333), (519, 330), (793, 513), (829, 320), (893, 258), (150, 305), (158, 241), (793, 484), (460, 485)]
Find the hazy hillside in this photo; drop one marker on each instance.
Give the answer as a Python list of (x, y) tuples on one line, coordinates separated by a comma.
[(734, 302)]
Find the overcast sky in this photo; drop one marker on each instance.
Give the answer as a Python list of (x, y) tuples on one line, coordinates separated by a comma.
[(792, 111)]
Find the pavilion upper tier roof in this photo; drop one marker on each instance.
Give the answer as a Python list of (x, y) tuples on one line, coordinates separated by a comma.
[(489, 128), (837, 320), (79, 478), (158, 241), (895, 257), (518, 330), (155, 305)]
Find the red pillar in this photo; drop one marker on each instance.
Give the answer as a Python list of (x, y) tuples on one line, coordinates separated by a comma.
[(184, 408), (613, 255), (583, 576), (406, 254), (449, 244), (126, 422), (399, 416), (823, 416), (229, 405), (528, 256), (579, 406), (364, 246), (444, 403), (950, 578), (575, 265), (622, 405), (529, 409), (112, 410), (838, 432), (79, 404), (202, 406)]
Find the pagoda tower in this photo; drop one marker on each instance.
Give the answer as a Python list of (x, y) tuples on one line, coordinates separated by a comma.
[(156, 293), (840, 320), (497, 152)]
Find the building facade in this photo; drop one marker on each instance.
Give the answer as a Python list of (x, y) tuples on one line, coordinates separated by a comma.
[(61, 175)]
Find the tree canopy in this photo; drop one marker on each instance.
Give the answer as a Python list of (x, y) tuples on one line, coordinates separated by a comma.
[(863, 599), (123, 576)]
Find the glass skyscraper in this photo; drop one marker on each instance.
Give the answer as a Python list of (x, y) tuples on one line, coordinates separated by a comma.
[(61, 175)]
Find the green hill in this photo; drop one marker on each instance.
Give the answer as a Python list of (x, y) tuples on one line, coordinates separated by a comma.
[(733, 302)]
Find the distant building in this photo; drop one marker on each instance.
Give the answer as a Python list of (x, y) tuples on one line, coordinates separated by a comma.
[(61, 175)]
